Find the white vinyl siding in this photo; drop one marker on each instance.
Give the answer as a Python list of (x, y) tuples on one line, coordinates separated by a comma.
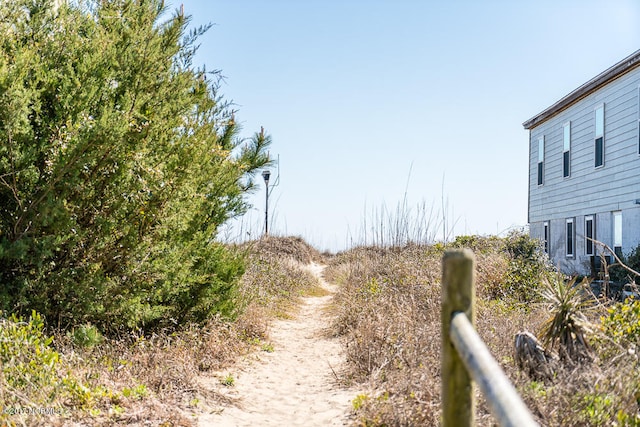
[(586, 192), (589, 191)]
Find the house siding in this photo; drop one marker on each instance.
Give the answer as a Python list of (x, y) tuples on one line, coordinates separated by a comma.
[(589, 190)]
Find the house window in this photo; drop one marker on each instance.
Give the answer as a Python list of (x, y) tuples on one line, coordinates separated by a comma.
[(546, 237), (541, 160), (599, 137), (589, 234), (638, 120), (617, 232), (566, 150), (570, 242)]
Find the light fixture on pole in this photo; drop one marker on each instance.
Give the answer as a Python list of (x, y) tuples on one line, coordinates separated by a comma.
[(266, 174)]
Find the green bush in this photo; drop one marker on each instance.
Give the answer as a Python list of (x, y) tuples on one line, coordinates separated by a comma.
[(526, 267), (86, 336), (622, 322), (118, 162), (32, 372)]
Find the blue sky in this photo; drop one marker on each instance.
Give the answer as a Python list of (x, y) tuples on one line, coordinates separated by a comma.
[(367, 100)]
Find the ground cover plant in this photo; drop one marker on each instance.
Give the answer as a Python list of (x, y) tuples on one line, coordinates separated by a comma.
[(389, 308)]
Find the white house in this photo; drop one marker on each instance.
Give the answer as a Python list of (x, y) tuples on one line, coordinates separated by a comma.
[(584, 169)]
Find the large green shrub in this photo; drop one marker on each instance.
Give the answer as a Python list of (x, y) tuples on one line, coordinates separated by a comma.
[(118, 162)]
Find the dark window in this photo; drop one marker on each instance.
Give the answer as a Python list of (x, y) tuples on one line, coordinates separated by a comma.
[(599, 152), (599, 135), (570, 238), (540, 169), (541, 160), (566, 149), (589, 232)]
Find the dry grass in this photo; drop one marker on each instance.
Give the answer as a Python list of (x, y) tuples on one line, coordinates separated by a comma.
[(388, 309), (389, 313), (156, 380), (276, 276)]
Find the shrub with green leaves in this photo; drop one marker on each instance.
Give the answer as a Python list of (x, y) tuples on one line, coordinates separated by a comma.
[(512, 267), (528, 267), (119, 160), (31, 369), (622, 322)]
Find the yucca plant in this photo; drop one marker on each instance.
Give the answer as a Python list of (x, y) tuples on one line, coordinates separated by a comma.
[(565, 330)]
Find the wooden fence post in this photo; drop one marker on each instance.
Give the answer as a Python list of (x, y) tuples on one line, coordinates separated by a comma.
[(458, 295)]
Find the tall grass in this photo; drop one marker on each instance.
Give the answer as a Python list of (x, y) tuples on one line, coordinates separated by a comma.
[(421, 223), (389, 306)]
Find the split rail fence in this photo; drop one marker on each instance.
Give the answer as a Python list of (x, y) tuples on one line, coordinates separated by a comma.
[(465, 357)]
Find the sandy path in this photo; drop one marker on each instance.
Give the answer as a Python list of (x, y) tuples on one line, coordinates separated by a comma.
[(294, 385)]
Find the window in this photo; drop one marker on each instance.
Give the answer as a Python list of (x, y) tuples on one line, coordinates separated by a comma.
[(617, 232), (599, 137), (541, 160), (570, 252), (566, 150), (546, 237), (589, 234), (638, 120)]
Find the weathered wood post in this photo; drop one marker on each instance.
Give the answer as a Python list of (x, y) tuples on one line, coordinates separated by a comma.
[(458, 295), (465, 356)]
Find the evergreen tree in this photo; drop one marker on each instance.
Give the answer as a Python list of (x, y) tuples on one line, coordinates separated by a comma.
[(119, 160)]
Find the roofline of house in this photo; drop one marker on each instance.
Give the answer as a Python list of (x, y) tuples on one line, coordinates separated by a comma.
[(629, 63)]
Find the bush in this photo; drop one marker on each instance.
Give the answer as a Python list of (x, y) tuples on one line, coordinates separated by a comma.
[(119, 161), (32, 374), (622, 323), (528, 268), (510, 268)]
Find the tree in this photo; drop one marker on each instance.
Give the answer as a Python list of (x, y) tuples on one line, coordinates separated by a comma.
[(119, 160)]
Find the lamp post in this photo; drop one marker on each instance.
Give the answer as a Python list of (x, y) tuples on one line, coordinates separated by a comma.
[(266, 175)]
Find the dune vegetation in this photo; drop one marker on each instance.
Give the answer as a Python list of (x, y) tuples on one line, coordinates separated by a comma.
[(82, 376), (389, 304), (120, 161)]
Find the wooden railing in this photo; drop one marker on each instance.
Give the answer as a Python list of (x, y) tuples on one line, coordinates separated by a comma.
[(465, 357)]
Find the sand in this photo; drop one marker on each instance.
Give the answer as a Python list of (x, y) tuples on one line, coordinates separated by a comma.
[(295, 385)]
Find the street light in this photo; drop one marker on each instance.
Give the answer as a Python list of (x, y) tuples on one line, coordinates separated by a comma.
[(266, 174)]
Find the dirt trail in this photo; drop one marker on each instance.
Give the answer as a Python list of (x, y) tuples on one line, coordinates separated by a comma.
[(295, 384)]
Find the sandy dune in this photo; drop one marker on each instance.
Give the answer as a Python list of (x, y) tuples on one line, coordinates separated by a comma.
[(295, 384)]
